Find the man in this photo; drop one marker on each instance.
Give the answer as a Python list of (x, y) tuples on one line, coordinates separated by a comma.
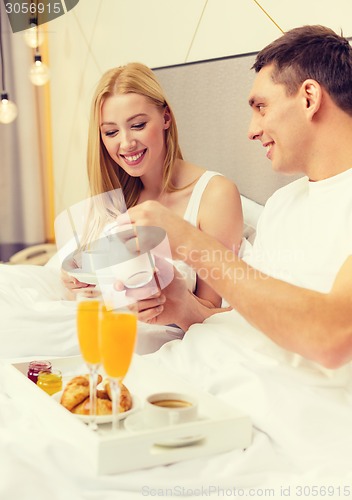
[(298, 288)]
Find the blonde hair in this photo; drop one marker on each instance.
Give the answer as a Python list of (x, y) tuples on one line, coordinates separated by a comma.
[(104, 174)]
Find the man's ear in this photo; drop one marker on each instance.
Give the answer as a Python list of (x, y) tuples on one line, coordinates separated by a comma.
[(312, 93), (167, 118)]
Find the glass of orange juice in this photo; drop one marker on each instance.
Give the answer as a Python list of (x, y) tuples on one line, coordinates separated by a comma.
[(88, 309), (117, 337)]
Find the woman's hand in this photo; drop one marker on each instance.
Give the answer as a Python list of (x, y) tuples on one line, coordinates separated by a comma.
[(163, 307), (72, 285), (174, 304)]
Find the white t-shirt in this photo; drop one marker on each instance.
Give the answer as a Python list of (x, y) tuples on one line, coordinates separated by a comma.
[(304, 234)]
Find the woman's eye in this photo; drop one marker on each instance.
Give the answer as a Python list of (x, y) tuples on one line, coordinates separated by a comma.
[(139, 126), (110, 133)]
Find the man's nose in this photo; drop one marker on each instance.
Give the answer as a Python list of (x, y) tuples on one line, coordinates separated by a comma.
[(254, 130)]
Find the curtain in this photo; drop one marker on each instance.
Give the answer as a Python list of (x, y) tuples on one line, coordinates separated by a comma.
[(22, 187)]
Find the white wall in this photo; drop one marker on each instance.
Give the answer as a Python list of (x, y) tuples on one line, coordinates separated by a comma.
[(100, 34)]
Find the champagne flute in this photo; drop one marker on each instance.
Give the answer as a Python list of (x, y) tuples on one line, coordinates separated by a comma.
[(117, 335), (88, 310)]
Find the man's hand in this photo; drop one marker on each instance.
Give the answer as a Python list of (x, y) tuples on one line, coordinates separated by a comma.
[(152, 213)]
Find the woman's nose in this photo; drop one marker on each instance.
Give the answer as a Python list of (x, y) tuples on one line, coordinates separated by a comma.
[(128, 143)]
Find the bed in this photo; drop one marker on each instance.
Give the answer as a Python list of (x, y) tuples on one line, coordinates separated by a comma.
[(301, 413)]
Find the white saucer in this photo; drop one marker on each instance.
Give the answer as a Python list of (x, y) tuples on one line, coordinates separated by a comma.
[(136, 280), (91, 278), (136, 423), (103, 419)]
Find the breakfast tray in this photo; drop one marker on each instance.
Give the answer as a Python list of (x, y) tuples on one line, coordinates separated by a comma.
[(219, 428)]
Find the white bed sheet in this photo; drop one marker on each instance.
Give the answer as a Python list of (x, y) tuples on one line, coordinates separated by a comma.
[(302, 414)]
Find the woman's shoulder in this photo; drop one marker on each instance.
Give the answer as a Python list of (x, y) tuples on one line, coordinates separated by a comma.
[(219, 185), (220, 211), (222, 195), (187, 173), (216, 183)]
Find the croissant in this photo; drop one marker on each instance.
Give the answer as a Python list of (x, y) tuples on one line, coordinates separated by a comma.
[(125, 396), (76, 391), (75, 397), (104, 407)]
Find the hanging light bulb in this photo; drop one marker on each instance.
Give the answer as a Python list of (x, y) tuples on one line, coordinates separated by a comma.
[(33, 36), (8, 109), (39, 73)]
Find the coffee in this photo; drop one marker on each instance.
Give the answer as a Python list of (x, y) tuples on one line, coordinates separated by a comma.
[(170, 408), (171, 403)]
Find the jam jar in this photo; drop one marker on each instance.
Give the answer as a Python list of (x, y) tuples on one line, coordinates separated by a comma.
[(50, 381), (35, 367)]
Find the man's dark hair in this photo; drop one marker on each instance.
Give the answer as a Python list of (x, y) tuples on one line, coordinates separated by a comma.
[(314, 52)]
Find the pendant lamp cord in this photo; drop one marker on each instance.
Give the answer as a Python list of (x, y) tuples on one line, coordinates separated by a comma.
[(2, 55)]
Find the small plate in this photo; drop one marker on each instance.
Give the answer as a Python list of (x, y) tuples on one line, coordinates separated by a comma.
[(136, 280), (136, 423), (103, 419), (91, 278)]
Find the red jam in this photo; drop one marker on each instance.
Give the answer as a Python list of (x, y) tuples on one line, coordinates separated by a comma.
[(35, 367)]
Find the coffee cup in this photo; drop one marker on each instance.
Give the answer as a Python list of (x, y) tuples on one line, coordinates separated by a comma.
[(169, 408), (135, 272), (93, 260)]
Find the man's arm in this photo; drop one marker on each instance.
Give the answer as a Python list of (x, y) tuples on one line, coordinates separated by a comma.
[(315, 325), (318, 326)]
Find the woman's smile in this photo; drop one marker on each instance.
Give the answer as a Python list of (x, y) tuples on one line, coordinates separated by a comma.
[(134, 159)]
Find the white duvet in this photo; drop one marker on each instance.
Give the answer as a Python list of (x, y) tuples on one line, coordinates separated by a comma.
[(302, 415)]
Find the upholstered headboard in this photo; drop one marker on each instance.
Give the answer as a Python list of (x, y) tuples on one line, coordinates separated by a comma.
[(210, 101)]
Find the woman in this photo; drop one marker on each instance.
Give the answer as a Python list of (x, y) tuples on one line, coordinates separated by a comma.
[(133, 145)]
